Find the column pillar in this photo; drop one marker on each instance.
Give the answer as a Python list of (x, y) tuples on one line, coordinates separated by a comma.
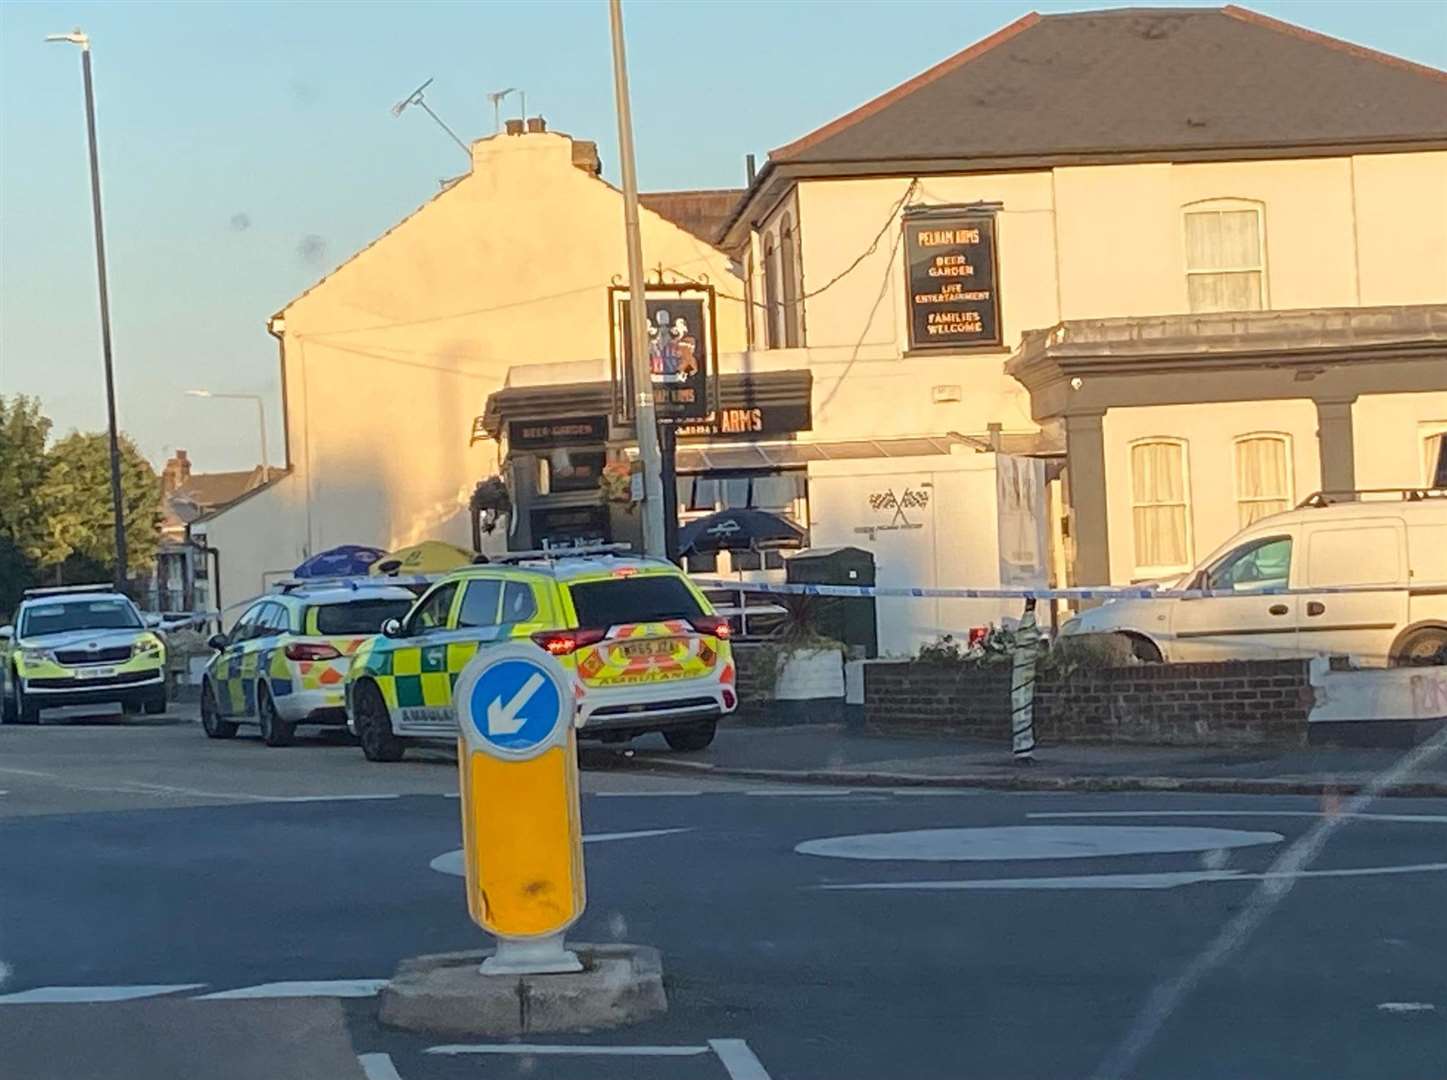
[(1336, 444), (1090, 526)]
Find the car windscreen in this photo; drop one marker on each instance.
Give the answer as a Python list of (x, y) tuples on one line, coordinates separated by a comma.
[(648, 598), (358, 616), (79, 615)]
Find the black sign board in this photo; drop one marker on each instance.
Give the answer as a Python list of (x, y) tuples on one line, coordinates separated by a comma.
[(954, 281), (681, 350), (750, 422), (569, 524), (564, 431)]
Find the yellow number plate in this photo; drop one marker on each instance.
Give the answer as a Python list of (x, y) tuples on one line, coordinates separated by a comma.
[(650, 647)]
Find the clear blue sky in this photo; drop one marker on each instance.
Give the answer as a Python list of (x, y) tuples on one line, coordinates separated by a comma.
[(247, 148)]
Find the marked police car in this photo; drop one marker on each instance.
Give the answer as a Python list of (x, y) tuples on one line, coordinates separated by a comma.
[(284, 661), (79, 645), (644, 649)]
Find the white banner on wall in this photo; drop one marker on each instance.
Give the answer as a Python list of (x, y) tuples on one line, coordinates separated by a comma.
[(1022, 510)]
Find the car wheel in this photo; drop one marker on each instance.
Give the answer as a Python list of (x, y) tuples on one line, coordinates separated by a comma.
[(691, 737), (1144, 650), (274, 730), (1422, 648), (211, 720), (374, 725), (25, 713)]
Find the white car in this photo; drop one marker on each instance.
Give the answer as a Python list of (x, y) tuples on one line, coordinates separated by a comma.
[(1392, 543)]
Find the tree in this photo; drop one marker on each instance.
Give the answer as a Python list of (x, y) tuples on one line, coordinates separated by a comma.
[(76, 503), (23, 432)]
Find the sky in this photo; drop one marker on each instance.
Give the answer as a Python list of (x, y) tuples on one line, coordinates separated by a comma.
[(247, 148)]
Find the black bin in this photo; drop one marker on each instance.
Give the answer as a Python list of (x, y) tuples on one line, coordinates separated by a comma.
[(848, 619)]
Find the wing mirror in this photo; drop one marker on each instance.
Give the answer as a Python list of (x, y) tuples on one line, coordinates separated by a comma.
[(217, 642), (392, 628), (152, 620)]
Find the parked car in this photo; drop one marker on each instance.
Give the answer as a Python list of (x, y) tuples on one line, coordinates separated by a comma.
[(1394, 542), (645, 649), (284, 661), (79, 645)]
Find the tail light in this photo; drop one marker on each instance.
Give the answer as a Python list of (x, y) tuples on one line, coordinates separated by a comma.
[(567, 642), (308, 650), (714, 625)]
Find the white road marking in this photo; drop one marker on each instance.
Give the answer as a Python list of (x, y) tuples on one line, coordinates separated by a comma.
[(946, 792), (801, 792), (632, 794), (1166, 880), (1000, 843), (450, 862), (1406, 1006), (338, 988), (81, 995), (168, 791), (602, 837), (738, 1059), (1426, 819), (378, 1067), (540, 1049)]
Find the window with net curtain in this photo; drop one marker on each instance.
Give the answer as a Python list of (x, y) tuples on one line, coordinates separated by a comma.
[(1159, 507), (1434, 454), (1225, 261), (1263, 476)]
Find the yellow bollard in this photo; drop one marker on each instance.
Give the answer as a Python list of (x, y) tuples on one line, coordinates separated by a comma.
[(522, 832)]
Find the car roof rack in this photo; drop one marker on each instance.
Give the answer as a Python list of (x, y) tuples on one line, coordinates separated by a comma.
[(1319, 499), (71, 590), (553, 552)]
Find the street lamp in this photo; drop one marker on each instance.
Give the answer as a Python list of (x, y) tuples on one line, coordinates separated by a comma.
[(260, 416), (76, 37)]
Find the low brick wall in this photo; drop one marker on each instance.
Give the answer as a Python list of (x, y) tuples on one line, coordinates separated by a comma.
[(1217, 704)]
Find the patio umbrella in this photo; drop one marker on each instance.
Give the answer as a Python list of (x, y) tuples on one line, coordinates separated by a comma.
[(347, 560), (428, 557), (739, 530)]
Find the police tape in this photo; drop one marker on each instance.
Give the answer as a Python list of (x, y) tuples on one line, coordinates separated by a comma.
[(1093, 592)]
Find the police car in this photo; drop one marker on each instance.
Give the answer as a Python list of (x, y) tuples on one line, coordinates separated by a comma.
[(645, 650), (284, 661), (79, 645)]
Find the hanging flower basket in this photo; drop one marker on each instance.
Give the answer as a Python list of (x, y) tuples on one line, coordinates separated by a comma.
[(616, 483)]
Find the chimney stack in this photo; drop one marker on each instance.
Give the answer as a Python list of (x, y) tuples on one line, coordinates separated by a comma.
[(585, 157), (176, 474), (536, 125), (513, 125)]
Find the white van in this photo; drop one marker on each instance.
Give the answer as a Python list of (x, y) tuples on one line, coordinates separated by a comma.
[(1395, 539)]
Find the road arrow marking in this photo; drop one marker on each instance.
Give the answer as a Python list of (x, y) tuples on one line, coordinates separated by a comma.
[(503, 719)]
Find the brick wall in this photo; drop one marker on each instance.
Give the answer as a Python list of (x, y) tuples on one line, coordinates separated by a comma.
[(1232, 703)]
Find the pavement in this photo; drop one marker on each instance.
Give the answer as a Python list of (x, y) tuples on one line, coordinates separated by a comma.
[(835, 754), (172, 907)]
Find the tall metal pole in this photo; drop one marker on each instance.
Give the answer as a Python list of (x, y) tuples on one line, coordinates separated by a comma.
[(265, 461), (117, 502), (645, 415)]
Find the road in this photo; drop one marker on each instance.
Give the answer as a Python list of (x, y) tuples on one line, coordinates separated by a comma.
[(174, 907)]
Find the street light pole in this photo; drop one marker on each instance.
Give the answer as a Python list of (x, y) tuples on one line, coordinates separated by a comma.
[(645, 415), (76, 37), (260, 416)]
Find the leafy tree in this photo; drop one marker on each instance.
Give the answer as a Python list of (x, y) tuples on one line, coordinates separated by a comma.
[(76, 502), (23, 432)]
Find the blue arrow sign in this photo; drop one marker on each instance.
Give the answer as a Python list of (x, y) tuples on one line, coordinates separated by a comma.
[(515, 705)]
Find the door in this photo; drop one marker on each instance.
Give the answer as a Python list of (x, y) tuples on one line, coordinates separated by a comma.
[(1362, 625), (419, 670), (227, 672), (271, 619), (1246, 623)]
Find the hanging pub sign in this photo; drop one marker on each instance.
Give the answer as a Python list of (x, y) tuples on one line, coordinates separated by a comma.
[(681, 351), (953, 280)]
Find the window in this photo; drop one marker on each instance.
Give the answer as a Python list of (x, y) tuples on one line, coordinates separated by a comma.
[(275, 620), (1263, 476), (1261, 564), (432, 611), (772, 339), (1159, 507), (789, 276), (479, 603), (1225, 256), (518, 602), (59, 617), (1434, 454), (245, 626), (358, 616), (648, 598)]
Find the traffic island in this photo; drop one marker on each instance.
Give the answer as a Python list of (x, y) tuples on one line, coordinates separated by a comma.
[(446, 994)]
